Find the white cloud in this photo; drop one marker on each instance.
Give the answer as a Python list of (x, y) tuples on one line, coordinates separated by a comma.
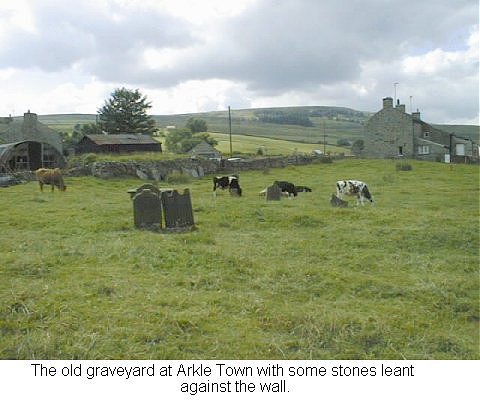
[(189, 56)]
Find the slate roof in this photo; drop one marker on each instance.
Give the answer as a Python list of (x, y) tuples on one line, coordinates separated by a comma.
[(121, 139)]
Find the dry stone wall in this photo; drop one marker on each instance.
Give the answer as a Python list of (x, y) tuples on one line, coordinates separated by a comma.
[(197, 168)]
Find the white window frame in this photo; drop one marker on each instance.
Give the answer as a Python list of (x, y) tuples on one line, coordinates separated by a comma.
[(423, 150)]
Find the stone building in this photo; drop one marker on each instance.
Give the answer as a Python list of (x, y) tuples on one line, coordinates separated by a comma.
[(392, 132)]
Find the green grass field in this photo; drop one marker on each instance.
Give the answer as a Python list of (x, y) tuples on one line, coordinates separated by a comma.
[(295, 279), (250, 144)]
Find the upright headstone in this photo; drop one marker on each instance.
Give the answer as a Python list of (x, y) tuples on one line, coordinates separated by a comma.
[(147, 210), (177, 209), (274, 192)]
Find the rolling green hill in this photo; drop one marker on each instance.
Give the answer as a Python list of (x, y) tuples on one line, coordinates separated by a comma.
[(327, 123)]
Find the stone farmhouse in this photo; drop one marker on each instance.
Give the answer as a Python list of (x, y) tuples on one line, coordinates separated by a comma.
[(392, 132), (27, 144)]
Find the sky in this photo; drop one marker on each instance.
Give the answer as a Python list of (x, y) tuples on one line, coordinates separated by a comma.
[(187, 56)]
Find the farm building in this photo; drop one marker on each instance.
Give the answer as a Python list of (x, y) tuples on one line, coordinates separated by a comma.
[(122, 143), (392, 132), (29, 155), (26, 144), (205, 150)]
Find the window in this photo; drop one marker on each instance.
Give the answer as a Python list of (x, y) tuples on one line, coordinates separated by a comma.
[(400, 150), (426, 134), (422, 150)]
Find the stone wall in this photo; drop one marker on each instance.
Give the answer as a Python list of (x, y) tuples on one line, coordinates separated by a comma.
[(197, 168)]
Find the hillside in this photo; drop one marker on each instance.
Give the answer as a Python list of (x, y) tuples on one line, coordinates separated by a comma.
[(330, 123)]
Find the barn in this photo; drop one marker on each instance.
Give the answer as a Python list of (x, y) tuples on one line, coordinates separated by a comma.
[(122, 143), (27, 144), (29, 155)]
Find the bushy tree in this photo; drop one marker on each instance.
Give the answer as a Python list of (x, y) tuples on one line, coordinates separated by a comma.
[(182, 140), (197, 125), (126, 112), (358, 146)]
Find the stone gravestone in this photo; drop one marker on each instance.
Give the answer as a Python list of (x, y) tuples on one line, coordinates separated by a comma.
[(153, 188), (274, 192), (177, 209), (147, 210), (338, 202)]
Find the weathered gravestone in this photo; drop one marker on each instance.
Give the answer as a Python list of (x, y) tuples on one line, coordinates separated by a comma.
[(147, 210), (338, 202), (274, 192), (153, 188), (177, 209)]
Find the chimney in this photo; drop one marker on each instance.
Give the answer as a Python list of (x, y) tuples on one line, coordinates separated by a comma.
[(29, 121), (416, 114), (387, 102)]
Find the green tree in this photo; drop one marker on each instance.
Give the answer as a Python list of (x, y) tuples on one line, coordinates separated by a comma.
[(182, 140), (126, 112), (197, 125), (90, 129), (358, 146)]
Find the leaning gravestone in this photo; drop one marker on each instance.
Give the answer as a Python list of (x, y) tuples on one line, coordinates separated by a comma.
[(147, 210), (274, 192), (177, 209), (338, 202)]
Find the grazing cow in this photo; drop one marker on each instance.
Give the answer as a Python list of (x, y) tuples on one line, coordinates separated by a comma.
[(354, 188), (286, 187), (302, 189), (231, 182), (53, 177)]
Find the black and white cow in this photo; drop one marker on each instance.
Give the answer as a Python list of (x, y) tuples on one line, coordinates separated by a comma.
[(286, 187), (302, 189), (231, 182), (354, 188)]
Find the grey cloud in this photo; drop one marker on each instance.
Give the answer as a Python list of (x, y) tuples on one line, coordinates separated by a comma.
[(276, 46), (65, 35)]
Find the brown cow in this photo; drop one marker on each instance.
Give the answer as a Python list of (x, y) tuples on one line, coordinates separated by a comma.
[(53, 177)]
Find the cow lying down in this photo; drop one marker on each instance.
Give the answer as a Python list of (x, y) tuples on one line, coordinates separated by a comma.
[(53, 177), (355, 188), (288, 189)]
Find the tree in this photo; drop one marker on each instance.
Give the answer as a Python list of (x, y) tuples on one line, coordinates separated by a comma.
[(126, 112), (358, 146), (182, 140), (197, 125)]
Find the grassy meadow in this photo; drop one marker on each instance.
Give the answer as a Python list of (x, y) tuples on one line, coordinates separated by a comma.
[(295, 279)]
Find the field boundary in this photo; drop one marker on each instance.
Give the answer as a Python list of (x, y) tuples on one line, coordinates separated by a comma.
[(160, 170)]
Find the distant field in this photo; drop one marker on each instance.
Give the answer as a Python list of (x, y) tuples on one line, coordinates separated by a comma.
[(339, 125), (295, 279), (251, 144)]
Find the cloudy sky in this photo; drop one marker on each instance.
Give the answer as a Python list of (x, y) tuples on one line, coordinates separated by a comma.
[(62, 56)]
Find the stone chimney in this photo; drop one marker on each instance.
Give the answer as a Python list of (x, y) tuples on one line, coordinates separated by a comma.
[(29, 126), (416, 115), (387, 102), (400, 107)]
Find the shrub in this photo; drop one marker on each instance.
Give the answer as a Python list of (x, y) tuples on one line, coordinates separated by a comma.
[(403, 167)]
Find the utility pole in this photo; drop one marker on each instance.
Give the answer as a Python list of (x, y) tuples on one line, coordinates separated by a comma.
[(324, 139), (230, 130)]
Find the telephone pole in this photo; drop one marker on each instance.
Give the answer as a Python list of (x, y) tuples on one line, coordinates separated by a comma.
[(230, 130)]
